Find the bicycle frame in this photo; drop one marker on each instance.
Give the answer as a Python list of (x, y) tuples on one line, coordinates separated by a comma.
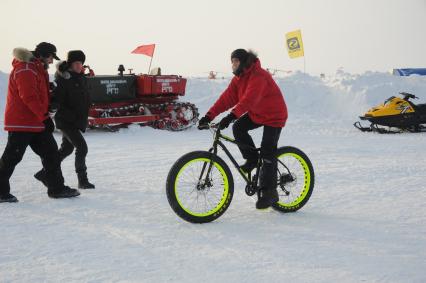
[(213, 150), (218, 143)]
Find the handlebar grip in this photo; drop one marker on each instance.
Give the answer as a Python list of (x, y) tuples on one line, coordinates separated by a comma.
[(203, 127)]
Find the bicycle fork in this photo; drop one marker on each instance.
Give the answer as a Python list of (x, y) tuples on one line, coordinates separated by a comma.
[(207, 181)]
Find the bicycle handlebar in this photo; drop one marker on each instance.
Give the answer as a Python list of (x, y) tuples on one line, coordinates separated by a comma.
[(208, 126), (216, 129)]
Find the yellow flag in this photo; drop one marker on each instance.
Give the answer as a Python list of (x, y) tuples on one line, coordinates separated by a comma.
[(294, 44)]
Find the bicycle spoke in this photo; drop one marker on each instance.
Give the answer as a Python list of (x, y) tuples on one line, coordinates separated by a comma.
[(206, 193)]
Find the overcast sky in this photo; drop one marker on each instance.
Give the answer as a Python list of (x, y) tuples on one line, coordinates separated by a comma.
[(196, 36)]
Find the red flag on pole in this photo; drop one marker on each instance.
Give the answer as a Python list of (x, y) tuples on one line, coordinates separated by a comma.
[(147, 50)]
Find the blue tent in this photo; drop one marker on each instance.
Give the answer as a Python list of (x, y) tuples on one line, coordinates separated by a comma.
[(409, 71)]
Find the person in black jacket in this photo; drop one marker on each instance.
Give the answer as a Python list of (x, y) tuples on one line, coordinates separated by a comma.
[(71, 98)]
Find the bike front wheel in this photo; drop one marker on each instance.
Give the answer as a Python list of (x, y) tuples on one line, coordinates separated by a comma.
[(295, 179), (199, 187)]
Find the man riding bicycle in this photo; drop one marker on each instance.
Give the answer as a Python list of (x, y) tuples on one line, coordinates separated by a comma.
[(257, 101)]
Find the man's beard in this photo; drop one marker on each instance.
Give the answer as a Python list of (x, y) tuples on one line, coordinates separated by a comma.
[(45, 63)]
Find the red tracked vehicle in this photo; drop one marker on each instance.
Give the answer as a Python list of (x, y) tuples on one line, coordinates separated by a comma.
[(147, 100)]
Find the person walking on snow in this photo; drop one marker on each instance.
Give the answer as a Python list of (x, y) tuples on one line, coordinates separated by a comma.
[(71, 98), (257, 102), (28, 123)]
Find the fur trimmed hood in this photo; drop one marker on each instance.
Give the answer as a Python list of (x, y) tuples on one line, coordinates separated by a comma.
[(23, 55), (62, 70), (251, 58)]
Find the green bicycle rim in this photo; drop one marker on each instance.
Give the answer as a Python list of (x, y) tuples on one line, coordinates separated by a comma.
[(306, 184), (224, 194)]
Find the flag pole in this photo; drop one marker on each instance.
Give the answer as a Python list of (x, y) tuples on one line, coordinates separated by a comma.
[(149, 69), (304, 64)]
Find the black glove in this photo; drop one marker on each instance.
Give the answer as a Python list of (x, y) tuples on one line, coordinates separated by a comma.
[(48, 125), (204, 123), (228, 119)]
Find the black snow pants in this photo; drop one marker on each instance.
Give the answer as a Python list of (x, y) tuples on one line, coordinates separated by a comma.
[(43, 144), (271, 135), (73, 138)]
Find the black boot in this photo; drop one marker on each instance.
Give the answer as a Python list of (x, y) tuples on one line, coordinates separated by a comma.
[(267, 194), (62, 192), (266, 198), (83, 182), (248, 166), (8, 198), (41, 176)]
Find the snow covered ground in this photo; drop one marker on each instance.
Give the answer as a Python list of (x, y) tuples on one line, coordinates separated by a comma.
[(366, 220)]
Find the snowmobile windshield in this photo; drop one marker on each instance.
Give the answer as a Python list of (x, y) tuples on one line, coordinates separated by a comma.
[(388, 100)]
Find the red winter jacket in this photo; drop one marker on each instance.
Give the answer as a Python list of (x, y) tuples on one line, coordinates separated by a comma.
[(28, 94), (254, 92)]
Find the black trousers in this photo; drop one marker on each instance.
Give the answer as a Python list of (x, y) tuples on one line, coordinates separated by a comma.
[(268, 149), (73, 138), (43, 144)]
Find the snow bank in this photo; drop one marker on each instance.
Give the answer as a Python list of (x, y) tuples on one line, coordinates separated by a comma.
[(342, 96)]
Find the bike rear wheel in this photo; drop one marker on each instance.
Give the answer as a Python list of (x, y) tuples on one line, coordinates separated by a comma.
[(197, 194), (295, 179)]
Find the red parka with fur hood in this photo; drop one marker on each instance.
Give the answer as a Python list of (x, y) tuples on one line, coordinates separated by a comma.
[(28, 94), (256, 93)]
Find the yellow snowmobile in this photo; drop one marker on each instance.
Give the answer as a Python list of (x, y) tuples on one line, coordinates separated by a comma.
[(395, 112)]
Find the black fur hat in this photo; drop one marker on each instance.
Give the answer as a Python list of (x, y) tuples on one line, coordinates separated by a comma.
[(240, 54), (74, 56)]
